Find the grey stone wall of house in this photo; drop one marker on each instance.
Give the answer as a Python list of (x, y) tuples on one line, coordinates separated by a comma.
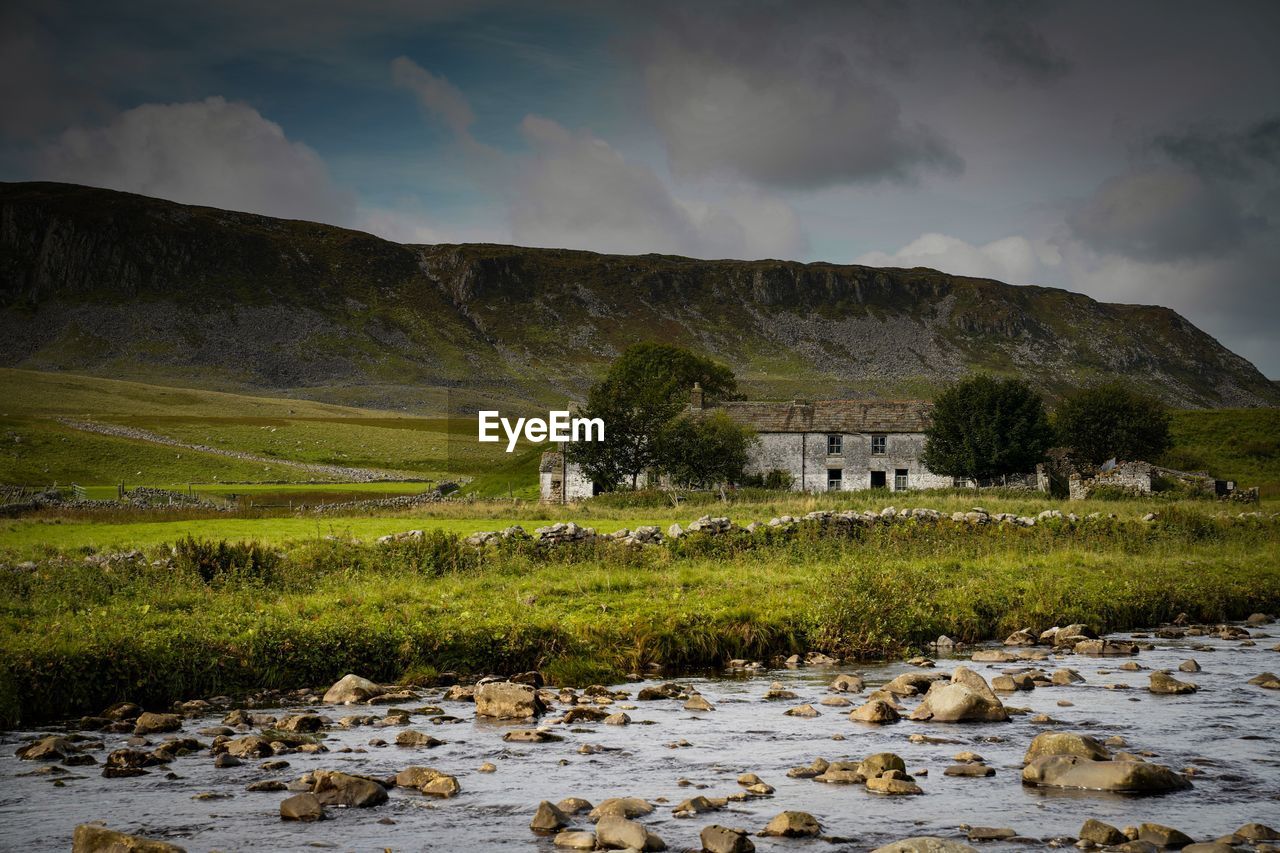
[(856, 461), (561, 483)]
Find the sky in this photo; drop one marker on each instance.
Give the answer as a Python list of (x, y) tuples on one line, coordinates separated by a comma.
[(1129, 151)]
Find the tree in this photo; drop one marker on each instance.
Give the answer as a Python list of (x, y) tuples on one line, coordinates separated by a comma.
[(984, 427), (646, 387), (1113, 419), (703, 450)]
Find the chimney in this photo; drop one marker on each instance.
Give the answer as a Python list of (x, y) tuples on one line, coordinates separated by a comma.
[(695, 397)]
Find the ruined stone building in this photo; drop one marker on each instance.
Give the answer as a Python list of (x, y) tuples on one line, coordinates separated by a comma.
[(824, 445)]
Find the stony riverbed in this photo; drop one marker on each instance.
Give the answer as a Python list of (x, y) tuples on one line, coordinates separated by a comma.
[(1224, 739)]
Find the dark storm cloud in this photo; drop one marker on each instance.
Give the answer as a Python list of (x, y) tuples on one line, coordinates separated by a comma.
[(1019, 48), (1159, 215), (1234, 155), (781, 99)]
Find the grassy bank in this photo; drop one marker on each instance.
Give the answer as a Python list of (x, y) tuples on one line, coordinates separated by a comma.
[(56, 530), (76, 635)]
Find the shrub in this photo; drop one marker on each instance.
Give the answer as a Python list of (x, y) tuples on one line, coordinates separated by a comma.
[(219, 562)]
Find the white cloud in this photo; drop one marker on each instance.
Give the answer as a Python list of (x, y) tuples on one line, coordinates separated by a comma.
[(212, 152), (1015, 259)]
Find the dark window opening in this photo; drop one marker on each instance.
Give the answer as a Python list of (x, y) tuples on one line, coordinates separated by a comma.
[(835, 479), (878, 480)]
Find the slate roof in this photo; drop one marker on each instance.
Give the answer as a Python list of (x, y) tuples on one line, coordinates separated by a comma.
[(833, 416)]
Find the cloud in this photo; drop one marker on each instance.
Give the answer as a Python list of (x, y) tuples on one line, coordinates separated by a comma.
[(754, 97), (1015, 259), (437, 95), (1229, 154), (1018, 48), (577, 191), (1159, 214), (212, 152)]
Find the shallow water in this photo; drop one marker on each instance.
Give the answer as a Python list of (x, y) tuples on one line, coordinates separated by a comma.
[(1228, 730)]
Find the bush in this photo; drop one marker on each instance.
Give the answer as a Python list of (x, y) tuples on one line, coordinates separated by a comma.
[(1114, 420), (220, 562)]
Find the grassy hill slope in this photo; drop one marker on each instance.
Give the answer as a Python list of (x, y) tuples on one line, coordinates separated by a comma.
[(125, 286)]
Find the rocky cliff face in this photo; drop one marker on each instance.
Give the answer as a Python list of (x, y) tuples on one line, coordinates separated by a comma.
[(122, 285)]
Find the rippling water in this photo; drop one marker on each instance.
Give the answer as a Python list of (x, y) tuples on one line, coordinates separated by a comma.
[(1228, 730)]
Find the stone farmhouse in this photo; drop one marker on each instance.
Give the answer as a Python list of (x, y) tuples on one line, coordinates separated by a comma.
[(824, 445)]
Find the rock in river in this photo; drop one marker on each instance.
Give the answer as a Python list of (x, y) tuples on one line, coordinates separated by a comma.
[(91, 838), (1065, 743), (1268, 680), (1128, 777), (548, 818), (875, 711), (627, 807), (334, 788), (1164, 683), (304, 807), (1100, 833), (722, 839), (508, 700), (351, 689), (149, 723), (966, 698), (52, 748), (619, 833), (793, 825)]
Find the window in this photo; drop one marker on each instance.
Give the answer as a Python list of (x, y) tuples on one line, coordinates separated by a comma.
[(900, 479), (835, 445), (877, 480), (878, 443), (835, 479)]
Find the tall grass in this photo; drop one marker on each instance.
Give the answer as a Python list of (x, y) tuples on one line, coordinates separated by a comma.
[(76, 635)]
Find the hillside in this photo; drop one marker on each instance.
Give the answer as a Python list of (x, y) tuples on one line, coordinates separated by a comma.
[(125, 286)]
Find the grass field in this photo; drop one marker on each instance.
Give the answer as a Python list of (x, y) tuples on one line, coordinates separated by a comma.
[(37, 450), (77, 635)]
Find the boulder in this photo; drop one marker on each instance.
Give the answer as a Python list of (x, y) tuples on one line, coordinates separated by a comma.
[(1267, 680), (1164, 683), (52, 748), (874, 765), (1162, 836), (409, 737), (912, 683), (250, 746), (149, 723), (1257, 832), (619, 833), (574, 805), (416, 777), (531, 736), (846, 683), (722, 839), (1064, 676), (576, 840), (304, 807), (351, 689), (92, 838), (1189, 666), (1103, 834), (698, 703), (893, 783), (305, 723), (802, 711), (334, 788), (1128, 777), (443, 786), (875, 711), (618, 719), (508, 700), (1105, 648), (627, 807), (793, 825), (548, 818), (967, 698), (1065, 743)]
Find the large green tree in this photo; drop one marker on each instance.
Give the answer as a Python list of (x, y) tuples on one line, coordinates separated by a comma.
[(703, 450), (982, 427), (1113, 419), (646, 387)]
